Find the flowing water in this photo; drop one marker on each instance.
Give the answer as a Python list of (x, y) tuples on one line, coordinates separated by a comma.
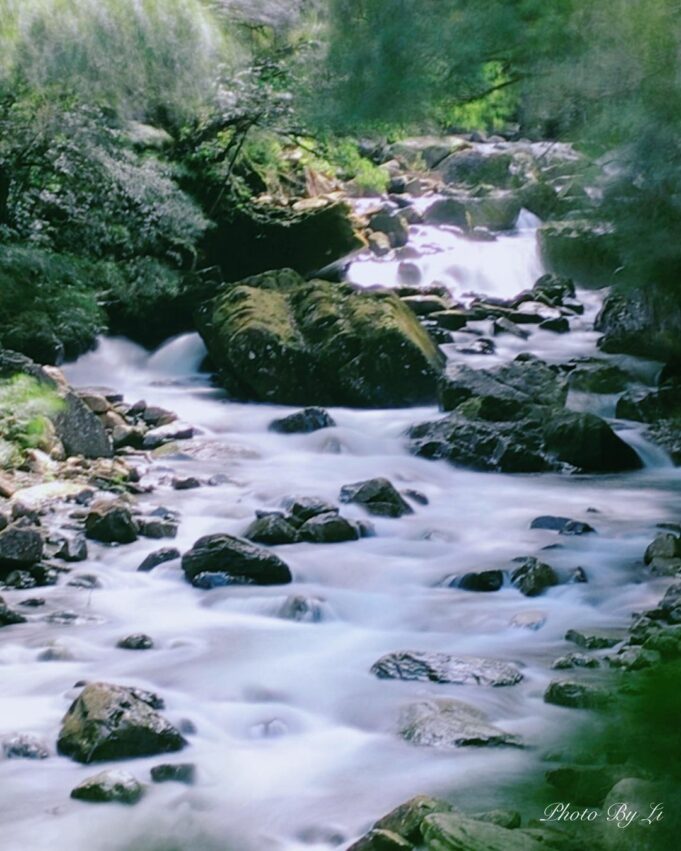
[(295, 741)]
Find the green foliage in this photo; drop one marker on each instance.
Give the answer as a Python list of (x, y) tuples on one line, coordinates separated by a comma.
[(76, 184), (154, 59), (340, 157), (25, 410), (492, 112), (48, 303)]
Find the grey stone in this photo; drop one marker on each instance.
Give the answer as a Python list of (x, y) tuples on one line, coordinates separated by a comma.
[(377, 496), (109, 786), (443, 668), (447, 724)]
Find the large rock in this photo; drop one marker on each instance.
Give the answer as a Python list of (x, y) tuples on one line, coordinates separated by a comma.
[(512, 419), (80, 431), (643, 321), (311, 236), (443, 668), (455, 832), (472, 167), (114, 722), (240, 562), (272, 530), (576, 695), (279, 338), (328, 528), (377, 496), (446, 724)]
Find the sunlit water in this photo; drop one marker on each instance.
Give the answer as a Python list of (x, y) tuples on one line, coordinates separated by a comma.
[(295, 740)]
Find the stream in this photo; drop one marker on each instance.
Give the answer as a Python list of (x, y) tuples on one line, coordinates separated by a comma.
[(294, 739)]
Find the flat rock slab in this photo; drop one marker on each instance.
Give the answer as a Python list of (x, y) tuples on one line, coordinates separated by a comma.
[(448, 724), (454, 832), (443, 668)]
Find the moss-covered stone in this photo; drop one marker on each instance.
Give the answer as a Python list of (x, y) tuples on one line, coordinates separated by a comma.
[(279, 338)]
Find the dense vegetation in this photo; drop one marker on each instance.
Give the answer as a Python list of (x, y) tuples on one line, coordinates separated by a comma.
[(135, 136)]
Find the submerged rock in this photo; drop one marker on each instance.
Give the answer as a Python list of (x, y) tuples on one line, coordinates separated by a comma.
[(576, 695), (486, 580), (8, 616), (279, 338), (159, 557), (562, 525), (138, 641), (235, 560), (443, 668), (303, 422), (444, 723), (377, 496), (115, 722), (109, 786), (179, 772), (23, 746)]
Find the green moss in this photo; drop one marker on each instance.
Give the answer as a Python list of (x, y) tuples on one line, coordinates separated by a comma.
[(26, 407)]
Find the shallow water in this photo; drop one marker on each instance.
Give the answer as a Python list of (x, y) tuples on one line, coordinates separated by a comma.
[(295, 740)]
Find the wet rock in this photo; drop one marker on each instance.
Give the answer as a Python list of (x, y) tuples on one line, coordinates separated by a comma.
[(55, 653), (179, 772), (455, 832), (377, 496), (481, 346), (601, 639), (75, 425), (580, 250), (303, 609), (528, 620), (138, 641), (575, 660), (110, 523), (533, 577), (157, 437), (115, 722), (272, 530), (503, 325), (33, 602), (84, 580), (638, 658), (159, 557), (281, 339), (109, 786), (303, 422), (510, 819), (665, 547), (73, 549), (447, 724), (236, 560), (576, 695), (409, 273), (502, 392), (486, 580), (156, 527), (155, 416), (451, 320), (19, 546), (578, 575), (299, 509), (20, 580), (8, 616), (443, 668), (641, 321), (406, 819), (557, 325), (379, 243), (328, 528), (393, 225), (562, 525), (23, 746), (592, 375), (185, 483), (416, 496), (381, 840)]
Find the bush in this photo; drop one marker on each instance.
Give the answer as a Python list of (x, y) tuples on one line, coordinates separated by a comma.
[(25, 409), (48, 304)]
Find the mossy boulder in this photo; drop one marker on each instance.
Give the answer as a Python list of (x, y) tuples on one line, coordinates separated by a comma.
[(279, 338)]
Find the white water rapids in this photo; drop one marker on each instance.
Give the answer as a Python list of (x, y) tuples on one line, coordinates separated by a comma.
[(295, 741)]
